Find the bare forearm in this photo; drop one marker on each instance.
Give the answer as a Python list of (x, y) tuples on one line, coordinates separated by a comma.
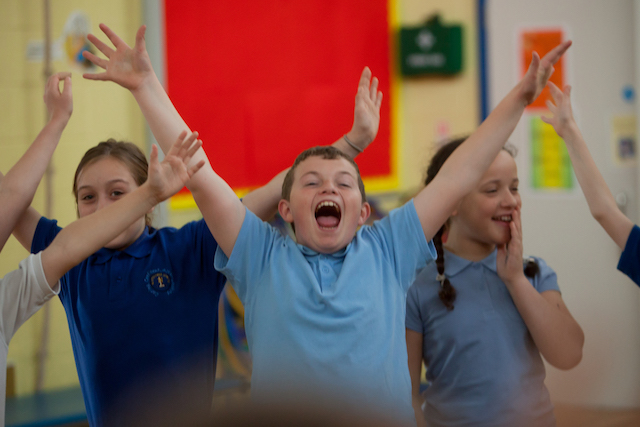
[(469, 162), (601, 203), (557, 335), (86, 235), (19, 185)]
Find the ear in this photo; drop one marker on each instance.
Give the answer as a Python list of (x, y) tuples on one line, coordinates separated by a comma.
[(365, 212), (284, 209)]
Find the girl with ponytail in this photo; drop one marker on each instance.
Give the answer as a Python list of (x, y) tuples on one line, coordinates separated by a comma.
[(481, 316)]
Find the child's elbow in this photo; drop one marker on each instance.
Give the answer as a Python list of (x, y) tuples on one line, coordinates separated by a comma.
[(571, 355), (569, 361)]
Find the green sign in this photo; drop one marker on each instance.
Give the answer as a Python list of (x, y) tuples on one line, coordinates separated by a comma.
[(432, 48)]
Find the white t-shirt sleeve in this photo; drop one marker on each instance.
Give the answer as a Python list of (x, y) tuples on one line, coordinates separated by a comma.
[(22, 293)]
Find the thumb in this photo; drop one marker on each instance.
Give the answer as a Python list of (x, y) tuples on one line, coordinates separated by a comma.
[(140, 40)]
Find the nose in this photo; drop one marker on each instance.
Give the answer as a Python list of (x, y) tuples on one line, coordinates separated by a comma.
[(102, 202), (510, 200), (328, 187)]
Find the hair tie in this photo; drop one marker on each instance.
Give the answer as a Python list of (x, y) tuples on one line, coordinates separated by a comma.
[(352, 145), (440, 278)]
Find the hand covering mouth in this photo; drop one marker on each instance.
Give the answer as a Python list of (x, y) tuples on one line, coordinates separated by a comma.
[(328, 214)]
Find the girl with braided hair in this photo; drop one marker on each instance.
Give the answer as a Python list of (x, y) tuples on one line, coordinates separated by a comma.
[(481, 316)]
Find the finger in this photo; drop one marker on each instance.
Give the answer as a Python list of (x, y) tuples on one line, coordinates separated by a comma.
[(153, 158), (95, 76), (534, 64), (96, 60), (567, 91), (64, 74), (117, 41), (551, 106), (100, 45), (66, 89), (556, 93), (52, 83), (379, 101), (195, 168), (547, 120), (365, 78), (373, 90), (186, 143), (192, 150), (556, 53), (141, 45)]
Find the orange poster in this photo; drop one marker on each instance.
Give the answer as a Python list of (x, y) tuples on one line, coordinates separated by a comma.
[(542, 41)]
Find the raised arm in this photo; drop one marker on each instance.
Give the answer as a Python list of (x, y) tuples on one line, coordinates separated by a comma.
[(18, 187), (556, 333), (86, 235), (131, 68), (602, 205), (467, 164), (263, 201)]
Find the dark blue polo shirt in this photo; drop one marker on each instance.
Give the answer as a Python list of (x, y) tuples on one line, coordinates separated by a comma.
[(629, 262), (143, 321)]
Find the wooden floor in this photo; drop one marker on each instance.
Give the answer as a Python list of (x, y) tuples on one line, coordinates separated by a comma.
[(575, 416)]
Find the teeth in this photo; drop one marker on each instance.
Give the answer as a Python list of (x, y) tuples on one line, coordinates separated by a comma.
[(327, 203), (505, 218)]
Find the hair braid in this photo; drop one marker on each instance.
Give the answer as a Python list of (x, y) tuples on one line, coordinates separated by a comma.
[(447, 292)]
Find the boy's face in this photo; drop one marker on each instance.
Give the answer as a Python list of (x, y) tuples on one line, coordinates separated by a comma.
[(325, 204)]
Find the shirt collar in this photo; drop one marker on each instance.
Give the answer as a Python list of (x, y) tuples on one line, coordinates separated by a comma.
[(309, 253), (138, 249), (453, 264)]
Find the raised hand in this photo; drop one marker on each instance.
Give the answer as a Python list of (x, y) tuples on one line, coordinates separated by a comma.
[(509, 259), (125, 66), (366, 115), (562, 117), (539, 72), (59, 104), (169, 176)]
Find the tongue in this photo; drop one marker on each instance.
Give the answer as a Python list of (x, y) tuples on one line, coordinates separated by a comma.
[(327, 221)]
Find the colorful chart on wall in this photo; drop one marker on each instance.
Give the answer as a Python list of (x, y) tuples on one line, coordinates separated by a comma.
[(262, 81), (550, 163)]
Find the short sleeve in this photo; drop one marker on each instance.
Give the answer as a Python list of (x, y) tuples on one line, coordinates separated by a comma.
[(46, 230), (402, 240), (413, 316), (546, 279), (251, 253), (629, 262), (22, 293)]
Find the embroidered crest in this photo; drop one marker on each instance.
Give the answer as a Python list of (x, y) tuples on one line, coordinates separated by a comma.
[(159, 281)]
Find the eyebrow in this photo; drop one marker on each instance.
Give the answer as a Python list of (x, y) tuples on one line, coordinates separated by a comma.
[(113, 181), (497, 181), (315, 173)]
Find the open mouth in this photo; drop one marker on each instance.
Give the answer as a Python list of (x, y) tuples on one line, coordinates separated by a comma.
[(502, 218), (328, 214)]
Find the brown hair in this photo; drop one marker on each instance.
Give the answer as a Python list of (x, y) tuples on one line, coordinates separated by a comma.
[(447, 292), (326, 152), (126, 152)]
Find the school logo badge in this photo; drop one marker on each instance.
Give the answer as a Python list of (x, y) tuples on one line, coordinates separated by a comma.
[(160, 281)]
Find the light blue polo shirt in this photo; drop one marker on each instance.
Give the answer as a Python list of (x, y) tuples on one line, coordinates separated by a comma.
[(483, 367), (330, 325)]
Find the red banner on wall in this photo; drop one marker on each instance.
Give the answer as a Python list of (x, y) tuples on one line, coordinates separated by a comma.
[(263, 80)]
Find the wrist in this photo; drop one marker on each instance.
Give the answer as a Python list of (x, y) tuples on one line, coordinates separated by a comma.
[(148, 83)]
